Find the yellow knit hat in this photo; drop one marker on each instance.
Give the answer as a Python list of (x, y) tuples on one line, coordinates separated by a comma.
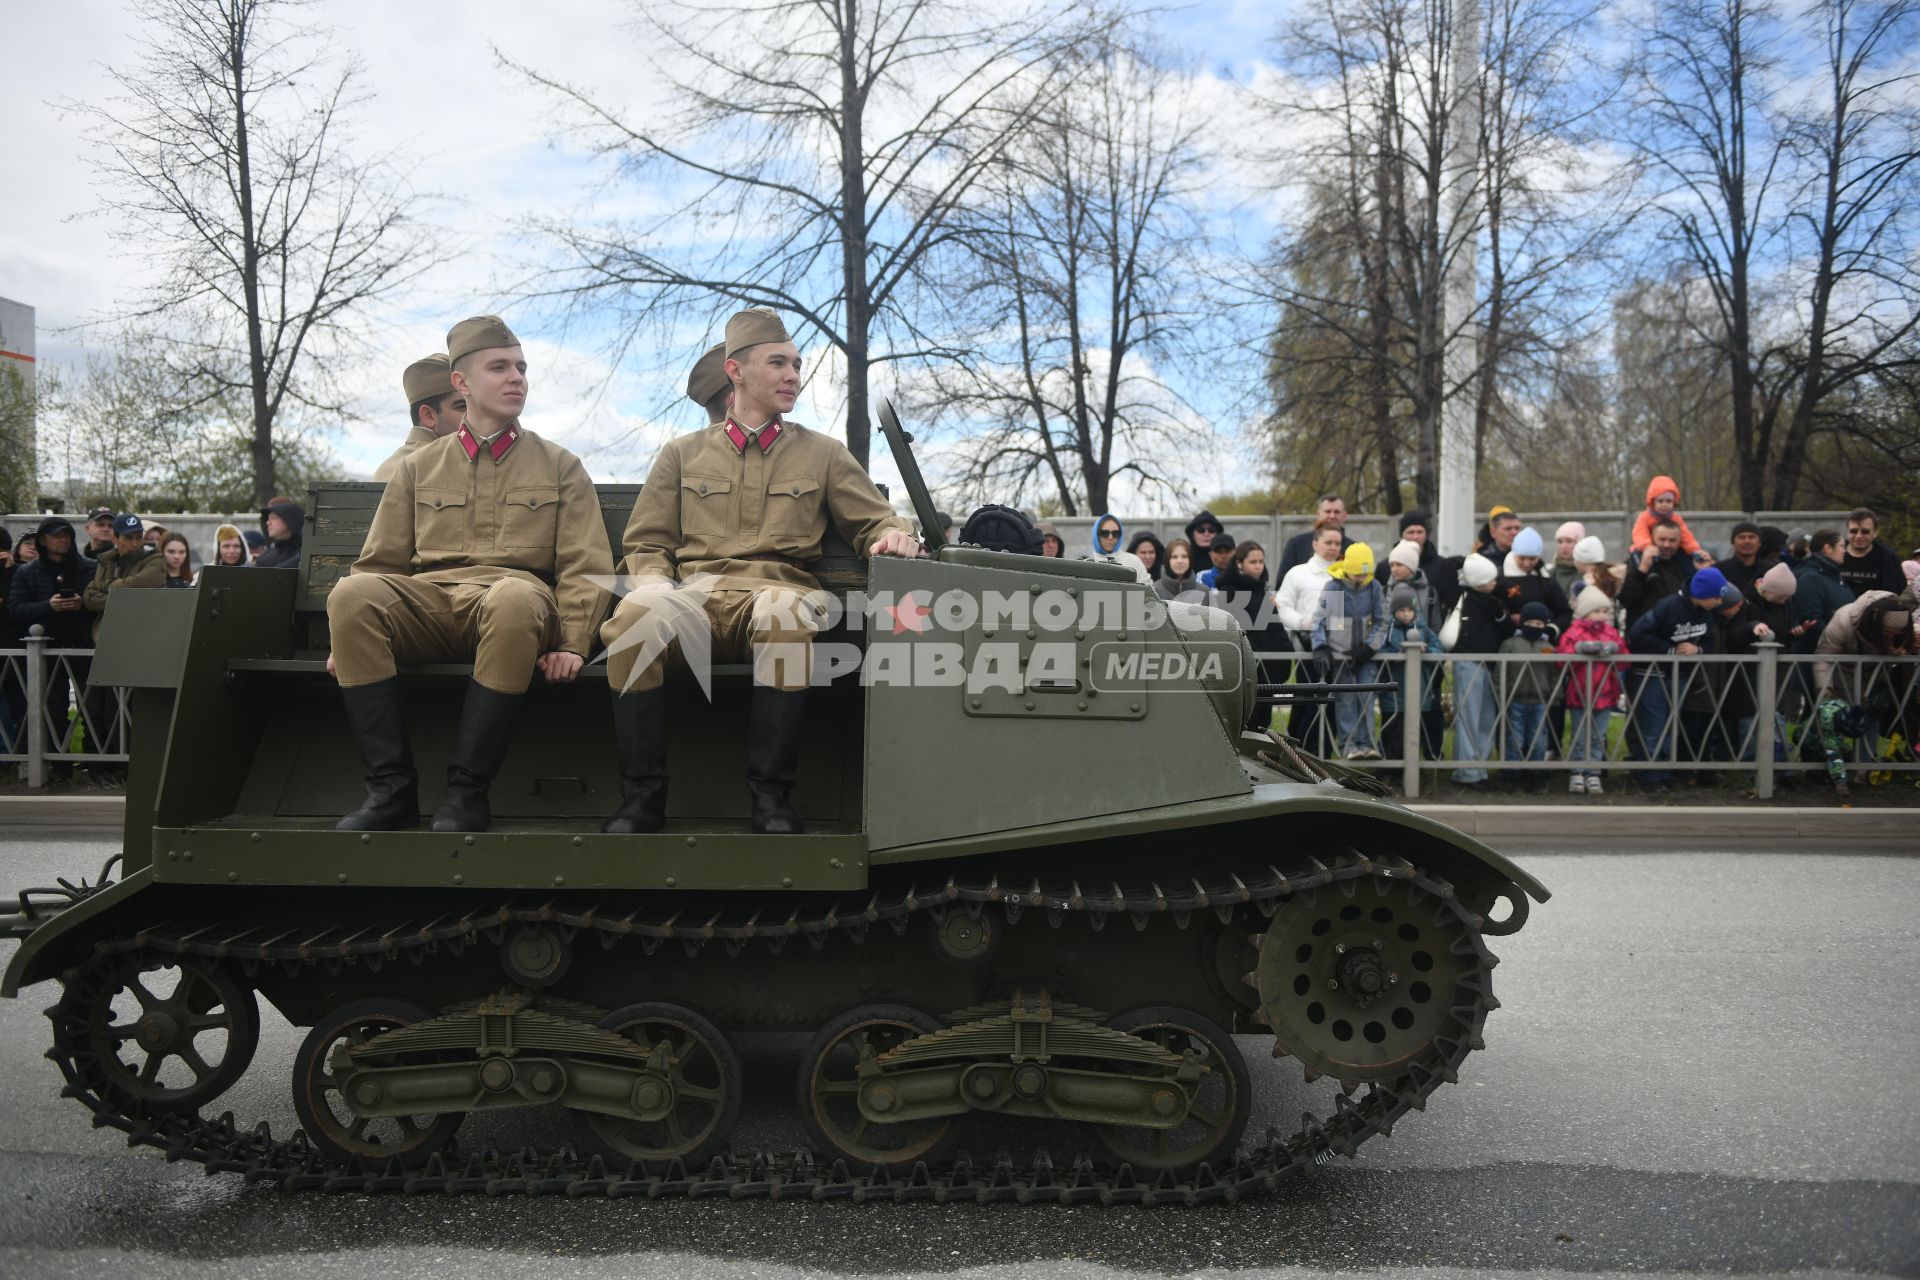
[(1355, 566)]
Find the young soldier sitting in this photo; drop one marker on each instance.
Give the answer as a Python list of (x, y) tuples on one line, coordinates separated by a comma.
[(482, 550), (746, 501), (433, 407)]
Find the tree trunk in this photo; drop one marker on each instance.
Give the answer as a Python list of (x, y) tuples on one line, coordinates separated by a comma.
[(238, 18), (853, 233), (1380, 332)]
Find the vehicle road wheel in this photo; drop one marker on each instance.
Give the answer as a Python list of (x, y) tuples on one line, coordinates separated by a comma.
[(829, 1087), (168, 1038), (1222, 1100), (704, 1072)]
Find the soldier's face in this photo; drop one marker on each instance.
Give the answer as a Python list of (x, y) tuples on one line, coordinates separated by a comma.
[(767, 376), (442, 417), (493, 383)]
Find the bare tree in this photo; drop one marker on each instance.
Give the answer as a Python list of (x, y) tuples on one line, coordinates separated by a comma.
[(1859, 142), (1082, 288), (1705, 131), (835, 144), (224, 158)]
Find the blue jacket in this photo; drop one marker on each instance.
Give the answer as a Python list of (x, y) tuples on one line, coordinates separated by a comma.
[(1674, 620), (1347, 618), (1821, 593)]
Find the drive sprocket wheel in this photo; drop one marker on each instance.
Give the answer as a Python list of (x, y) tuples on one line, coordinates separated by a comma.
[(703, 1072), (829, 1091), (166, 1037), (330, 1123), (1365, 978), (1222, 1100)]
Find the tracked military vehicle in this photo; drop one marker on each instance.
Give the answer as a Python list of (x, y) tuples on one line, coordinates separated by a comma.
[(1054, 905)]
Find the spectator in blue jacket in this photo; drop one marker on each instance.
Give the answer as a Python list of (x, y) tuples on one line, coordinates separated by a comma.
[(1683, 625), (1349, 628), (1408, 625), (1821, 592)]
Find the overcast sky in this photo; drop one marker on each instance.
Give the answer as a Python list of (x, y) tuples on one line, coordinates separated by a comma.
[(481, 137)]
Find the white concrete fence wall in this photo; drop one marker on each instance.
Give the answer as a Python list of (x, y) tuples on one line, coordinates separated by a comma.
[(1712, 528)]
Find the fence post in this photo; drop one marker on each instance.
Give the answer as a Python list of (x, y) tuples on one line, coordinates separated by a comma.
[(1766, 705), (1411, 724), (36, 645)]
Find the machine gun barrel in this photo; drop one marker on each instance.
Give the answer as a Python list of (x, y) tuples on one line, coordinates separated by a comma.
[(1287, 695)]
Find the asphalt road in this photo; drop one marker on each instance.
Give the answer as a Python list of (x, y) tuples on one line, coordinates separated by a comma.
[(1705, 1062)]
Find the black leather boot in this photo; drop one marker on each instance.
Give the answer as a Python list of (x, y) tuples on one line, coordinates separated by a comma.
[(379, 730), (486, 731), (640, 735), (773, 752)]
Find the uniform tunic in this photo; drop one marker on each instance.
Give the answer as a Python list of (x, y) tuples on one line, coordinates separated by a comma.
[(416, 436), (749, 510), (476, 552)]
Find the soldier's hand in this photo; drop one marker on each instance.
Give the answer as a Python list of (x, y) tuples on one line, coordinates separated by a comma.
[(895, 542), (330, 670), (560, 667)]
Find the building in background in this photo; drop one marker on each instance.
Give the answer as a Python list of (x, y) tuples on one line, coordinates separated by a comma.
[(18, 438)]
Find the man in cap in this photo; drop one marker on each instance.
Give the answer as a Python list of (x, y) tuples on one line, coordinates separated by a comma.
[(483, 548), (129, 562), (99, 532), (433, 406), (742, 505)]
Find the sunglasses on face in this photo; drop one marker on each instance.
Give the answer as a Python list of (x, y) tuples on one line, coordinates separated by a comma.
[(1109, 533), (1860, 533)]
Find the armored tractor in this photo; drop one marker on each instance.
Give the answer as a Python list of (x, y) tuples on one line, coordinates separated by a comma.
[(1052, 897)]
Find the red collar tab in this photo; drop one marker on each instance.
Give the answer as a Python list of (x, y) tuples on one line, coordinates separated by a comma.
[(738, 434), (497, 450)]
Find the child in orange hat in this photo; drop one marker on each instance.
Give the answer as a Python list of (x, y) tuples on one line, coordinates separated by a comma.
[(1663, 504)]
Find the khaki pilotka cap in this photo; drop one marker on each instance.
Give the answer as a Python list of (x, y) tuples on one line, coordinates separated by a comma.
[(428, 378), (478, 333), (752, 327), (708, 377)]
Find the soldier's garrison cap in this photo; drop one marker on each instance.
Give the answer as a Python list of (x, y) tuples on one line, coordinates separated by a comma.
[(478, 333), (708, 377), (752, 327), (428, 378)]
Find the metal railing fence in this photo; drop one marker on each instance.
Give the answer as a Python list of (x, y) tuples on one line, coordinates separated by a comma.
[(1698, 713), (46, 702)]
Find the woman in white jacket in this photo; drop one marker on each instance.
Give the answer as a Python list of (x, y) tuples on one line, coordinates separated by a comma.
[(1299, 593)]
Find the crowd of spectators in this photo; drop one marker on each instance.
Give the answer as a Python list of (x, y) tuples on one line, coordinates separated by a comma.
[(1544, 657), (1330, 610), (60, 579)]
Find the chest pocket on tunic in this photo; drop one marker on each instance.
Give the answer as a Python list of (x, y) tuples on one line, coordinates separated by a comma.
[(706, 505), (439, 519), (528, 517), (793, 507)]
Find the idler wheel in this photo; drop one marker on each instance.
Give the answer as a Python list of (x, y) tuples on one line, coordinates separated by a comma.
[(701, 1080), (169, 1038), (330, 1123), (1359, 987), (829, 1092), (1222, 1099)]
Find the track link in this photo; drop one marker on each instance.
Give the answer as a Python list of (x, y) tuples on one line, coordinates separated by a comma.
[(222, 1145)]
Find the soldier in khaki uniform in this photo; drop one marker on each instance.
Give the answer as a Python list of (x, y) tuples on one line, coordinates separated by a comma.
[(482, 549), (746, 501), (434, 407)]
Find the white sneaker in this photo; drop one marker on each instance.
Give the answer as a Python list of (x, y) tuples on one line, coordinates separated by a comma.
[(1593, 785), (1365, 753), (1577, 784)]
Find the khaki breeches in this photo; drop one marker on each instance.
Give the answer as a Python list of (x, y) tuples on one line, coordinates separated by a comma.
[(381, 619), (777, 623)]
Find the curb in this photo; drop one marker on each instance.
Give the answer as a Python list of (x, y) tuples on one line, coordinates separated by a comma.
[(1560, 822), (62, 811), (1577, 822)]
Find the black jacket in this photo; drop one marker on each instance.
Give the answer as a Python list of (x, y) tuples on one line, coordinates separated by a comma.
[(1524, 589), (30, 599), (1642, 591), (1878, 570), (1247, 600), (1820, 596), (1483, 623), (1743, 577), (283, 554)]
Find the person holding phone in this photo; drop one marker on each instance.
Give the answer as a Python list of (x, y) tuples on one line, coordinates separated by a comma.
[(47, 592)]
